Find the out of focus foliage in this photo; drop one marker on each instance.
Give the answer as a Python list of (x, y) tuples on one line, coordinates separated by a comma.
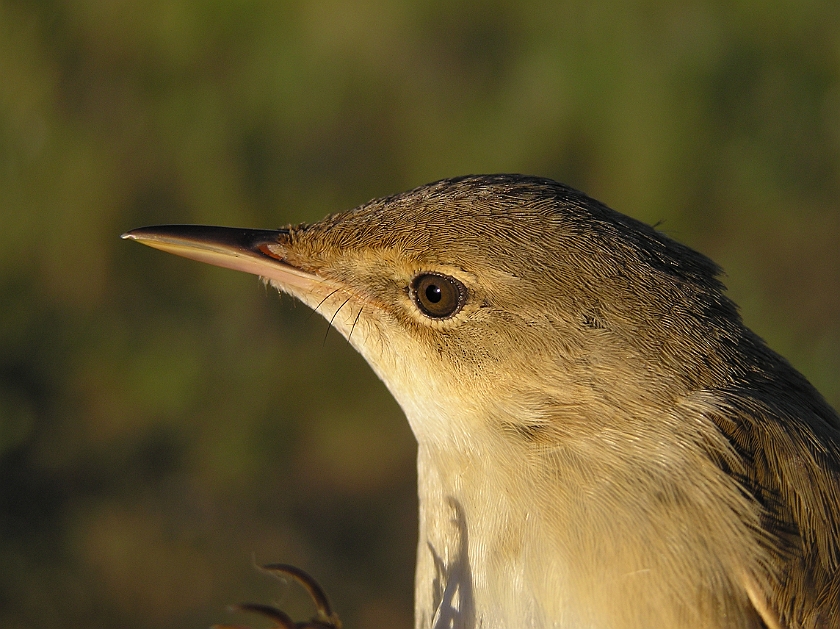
[(164, 424)]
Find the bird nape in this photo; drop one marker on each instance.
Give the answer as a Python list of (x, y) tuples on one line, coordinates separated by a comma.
[(601, 441)]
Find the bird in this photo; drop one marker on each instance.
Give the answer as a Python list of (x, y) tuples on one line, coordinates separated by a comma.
[(602, 442)]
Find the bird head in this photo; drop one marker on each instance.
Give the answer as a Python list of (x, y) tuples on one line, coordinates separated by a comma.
[(491, 304)]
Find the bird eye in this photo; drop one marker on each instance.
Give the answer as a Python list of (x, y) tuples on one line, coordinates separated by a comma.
[(438, 296)]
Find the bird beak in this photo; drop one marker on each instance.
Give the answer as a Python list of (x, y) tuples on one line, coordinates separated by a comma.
[(257, 251)]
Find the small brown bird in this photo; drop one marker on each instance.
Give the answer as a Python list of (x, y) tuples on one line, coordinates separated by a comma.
[(602, 442)]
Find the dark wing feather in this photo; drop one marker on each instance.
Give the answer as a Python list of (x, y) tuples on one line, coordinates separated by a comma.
[(789, 439)]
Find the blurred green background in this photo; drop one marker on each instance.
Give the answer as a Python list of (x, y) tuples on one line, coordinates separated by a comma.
[(164, 425)]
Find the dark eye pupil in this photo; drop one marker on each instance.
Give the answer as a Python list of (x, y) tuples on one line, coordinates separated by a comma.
[(438, 296), (433, 293)]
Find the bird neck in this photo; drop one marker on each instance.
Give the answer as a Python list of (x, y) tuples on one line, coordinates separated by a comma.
[(561, 533)]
